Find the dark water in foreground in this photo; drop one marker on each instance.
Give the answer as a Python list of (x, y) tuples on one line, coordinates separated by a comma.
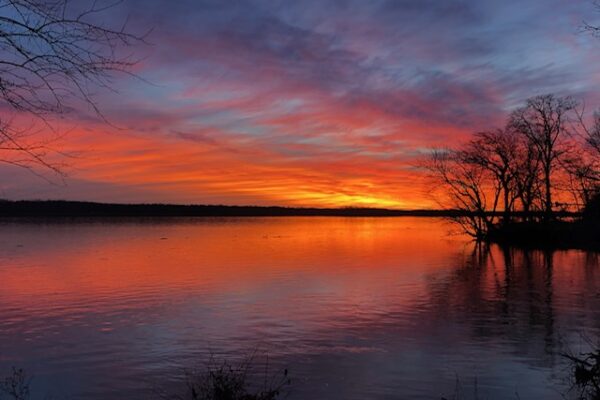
[(356, 308)]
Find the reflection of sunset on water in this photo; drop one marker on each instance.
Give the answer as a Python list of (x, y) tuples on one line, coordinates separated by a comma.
[(213, 255), (391, 293)]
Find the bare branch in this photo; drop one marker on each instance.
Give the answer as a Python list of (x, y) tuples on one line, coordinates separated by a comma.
[(52, 55)]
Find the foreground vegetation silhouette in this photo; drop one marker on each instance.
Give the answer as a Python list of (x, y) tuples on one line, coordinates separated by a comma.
[(225, 381), (217, 381), (586, 374)]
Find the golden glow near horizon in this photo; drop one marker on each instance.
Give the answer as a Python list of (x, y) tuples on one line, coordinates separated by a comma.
[(132, 167)]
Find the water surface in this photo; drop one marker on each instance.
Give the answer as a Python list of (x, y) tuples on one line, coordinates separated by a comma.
[(355, 308)]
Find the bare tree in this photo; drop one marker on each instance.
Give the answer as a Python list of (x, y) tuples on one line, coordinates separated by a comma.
[(583, 164), (527, 178), (593, 135), (544, 122), (28, 148), (513, 163), (466, 189), (519, 168), (497, 151), (583, 178), (53, 55)]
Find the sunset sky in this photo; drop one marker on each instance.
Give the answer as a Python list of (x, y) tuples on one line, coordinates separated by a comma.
[(311, 103)]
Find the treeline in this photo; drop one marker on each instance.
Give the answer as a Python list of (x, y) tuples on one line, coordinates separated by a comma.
[(543, 162), (57, 208)]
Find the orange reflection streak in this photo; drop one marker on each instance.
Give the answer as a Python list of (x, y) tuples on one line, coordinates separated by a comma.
[(93, 261)]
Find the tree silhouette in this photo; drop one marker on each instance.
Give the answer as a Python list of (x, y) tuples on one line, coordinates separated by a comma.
[(465, 185), (527, 178), (518, 168), (544, 121), (53, 54), (593, 135), (497, 151)]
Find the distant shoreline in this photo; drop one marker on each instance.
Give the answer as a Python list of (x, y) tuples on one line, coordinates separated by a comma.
[(75, 209), (64, 208)]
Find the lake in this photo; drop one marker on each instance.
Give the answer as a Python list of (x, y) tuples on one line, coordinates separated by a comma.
[(354, 308)]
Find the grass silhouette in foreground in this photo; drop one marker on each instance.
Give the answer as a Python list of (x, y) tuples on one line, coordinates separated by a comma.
[(585, 373), (217, 381), (226, 381), (15, 386)]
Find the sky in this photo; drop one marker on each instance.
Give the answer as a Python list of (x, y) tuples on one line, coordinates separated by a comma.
[(312, 102)]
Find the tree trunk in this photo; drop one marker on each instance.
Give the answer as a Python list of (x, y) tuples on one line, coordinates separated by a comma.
[(548, 194), (506, 218)]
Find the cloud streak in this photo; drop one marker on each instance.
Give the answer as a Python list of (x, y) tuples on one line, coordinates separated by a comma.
[(317, 103)]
